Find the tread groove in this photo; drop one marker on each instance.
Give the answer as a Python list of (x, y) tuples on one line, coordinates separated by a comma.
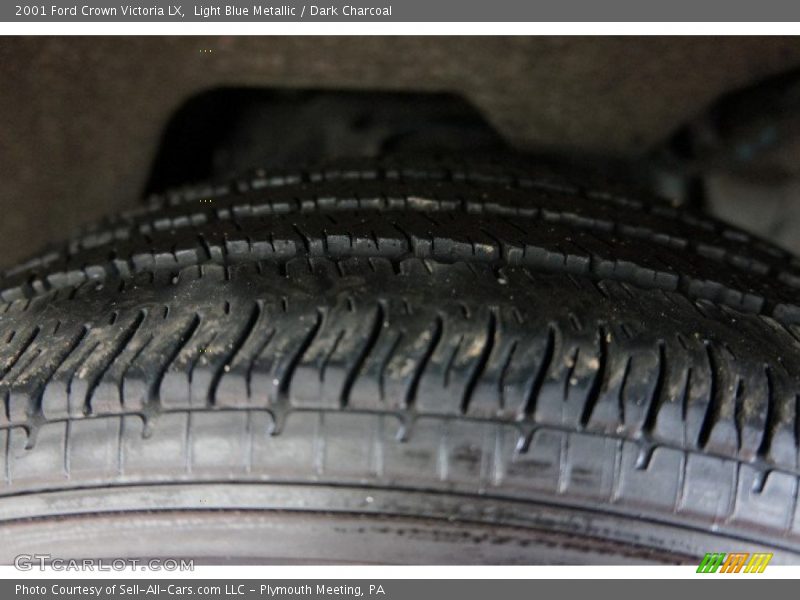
[(532, 397), (436, 336), (480, 365), (118, 349), (714, 400), (593, 396), (372, 339), (20, 352), (657, 398), (237, 344), (186, 335), (284, 383)]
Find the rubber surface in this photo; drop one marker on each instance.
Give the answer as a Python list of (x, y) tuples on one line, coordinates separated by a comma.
[(484, 332)]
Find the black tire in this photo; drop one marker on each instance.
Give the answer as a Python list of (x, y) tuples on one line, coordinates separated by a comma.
[(438, 365)]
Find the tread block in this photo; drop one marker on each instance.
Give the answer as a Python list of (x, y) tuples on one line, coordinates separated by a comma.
[(707, 490), (93, 448), (657, 485), (40, 464), (589, 466), (159, 450), (769, 503), (538, 467), (221, 441)]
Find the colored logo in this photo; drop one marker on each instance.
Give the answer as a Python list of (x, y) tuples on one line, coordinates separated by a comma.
[(735, 562)]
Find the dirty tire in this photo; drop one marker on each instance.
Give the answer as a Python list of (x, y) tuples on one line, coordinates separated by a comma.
[(403, 364)]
